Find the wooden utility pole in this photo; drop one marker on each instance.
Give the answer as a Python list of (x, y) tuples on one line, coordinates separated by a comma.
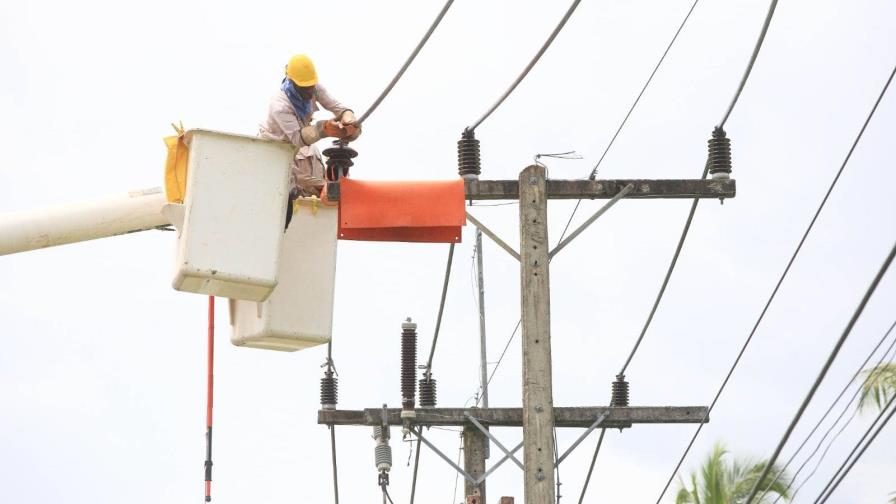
[(538, 417), (475, 445), (538, 398)]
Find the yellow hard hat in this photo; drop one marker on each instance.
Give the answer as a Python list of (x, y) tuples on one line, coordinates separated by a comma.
[(301, 70)]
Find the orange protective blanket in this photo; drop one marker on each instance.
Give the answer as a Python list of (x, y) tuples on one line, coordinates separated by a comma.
[(407, 211)]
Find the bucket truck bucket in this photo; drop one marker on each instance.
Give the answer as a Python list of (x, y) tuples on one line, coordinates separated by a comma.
[(299, 313), (230, 227)]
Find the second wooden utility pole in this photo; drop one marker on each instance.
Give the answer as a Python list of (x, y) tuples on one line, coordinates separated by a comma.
[(538, 399)]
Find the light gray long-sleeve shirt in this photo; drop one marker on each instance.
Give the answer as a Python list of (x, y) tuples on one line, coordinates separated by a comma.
[(283, 124)]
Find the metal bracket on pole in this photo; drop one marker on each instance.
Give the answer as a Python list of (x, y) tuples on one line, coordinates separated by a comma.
[(419, 434), (488, 232), (505, 458), (494, 440), (625, 190), (581, 438)]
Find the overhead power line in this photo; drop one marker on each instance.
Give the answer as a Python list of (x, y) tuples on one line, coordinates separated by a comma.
[(828, 412), (777, 286), (832, 485), (407, 62), (544, 47), (743, 80), (822, 373), (629, 113), (643, 88), (837, 435), (693, 210), (435, 336)]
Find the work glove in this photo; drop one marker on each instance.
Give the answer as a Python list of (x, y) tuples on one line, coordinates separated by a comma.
[(347, 117), (321, 129), (352, 132)]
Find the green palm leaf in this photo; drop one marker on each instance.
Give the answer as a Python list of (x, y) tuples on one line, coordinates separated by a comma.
[(879, 386), (723, 481)]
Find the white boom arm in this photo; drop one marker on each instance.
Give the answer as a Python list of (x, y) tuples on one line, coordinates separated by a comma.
[(100, 218)]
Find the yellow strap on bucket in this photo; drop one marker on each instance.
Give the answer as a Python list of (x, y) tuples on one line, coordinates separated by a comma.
[(314, 201), (176, 165)]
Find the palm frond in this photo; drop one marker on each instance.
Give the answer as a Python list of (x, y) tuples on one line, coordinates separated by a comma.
[(723, 481), (879, 386)]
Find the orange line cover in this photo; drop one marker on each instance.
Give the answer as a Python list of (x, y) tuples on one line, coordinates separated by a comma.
[(406, 211)]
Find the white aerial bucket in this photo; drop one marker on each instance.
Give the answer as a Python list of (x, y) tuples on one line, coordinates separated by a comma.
[(299, 313), (230, 226)]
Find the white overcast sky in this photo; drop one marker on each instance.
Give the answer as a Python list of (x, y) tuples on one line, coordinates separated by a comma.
[(102, 367)]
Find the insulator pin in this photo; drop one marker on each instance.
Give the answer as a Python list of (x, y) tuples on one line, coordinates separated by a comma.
[(468, 156), (719, 154)]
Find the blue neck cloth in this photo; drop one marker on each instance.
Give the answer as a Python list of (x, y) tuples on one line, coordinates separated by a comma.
[(302, 107)]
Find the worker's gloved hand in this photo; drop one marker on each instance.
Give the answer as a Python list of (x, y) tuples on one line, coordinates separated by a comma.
[(321, 129), (347, 117), (352, 132), (331, 128)]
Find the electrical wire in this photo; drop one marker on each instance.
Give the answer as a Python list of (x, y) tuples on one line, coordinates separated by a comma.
[(833, 485), (837, 435), (822, 373), (333, 452), (691, 213), (777, 286), (435, 336), (828, 412), (501, 358), (531, 64), (460, 449), (386, 493), (743, 80), (407, 62), (672, 264), (600, 441), (643, 89), (416, 466), (629, 113)]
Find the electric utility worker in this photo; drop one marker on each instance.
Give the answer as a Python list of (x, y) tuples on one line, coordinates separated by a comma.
[(290, 119)]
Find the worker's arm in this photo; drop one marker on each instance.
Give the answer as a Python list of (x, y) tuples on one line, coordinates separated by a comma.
[(285, 119), (327, 101), (344, 115)]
